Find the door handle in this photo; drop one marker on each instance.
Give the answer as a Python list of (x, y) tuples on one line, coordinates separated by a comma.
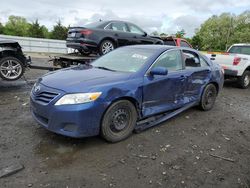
[(116, 35), (135, 37)]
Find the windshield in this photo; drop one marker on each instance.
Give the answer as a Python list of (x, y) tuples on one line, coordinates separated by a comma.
[(124, 59), (240, 50)]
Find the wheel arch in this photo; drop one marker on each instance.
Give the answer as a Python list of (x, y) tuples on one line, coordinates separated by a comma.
[(12, 53), (128, 98), (111, 39), (248, 68)]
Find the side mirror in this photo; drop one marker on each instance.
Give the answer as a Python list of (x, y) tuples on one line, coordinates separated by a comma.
[(145, 34), (159, 71)]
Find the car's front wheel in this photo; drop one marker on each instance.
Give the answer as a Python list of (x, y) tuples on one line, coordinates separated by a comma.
[(119, 121), (244, 80), (208, 97), (106, 46), (11, 68)]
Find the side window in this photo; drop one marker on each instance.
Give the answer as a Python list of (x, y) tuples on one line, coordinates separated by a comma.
[(135, 29), (203, 62), (191, 59), (119, 26), (184, 44), (171, 60)]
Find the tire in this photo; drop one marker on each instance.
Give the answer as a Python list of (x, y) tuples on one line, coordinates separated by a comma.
[(244, 80), (208, 97), (106, 46), (11, 68), (119, 121)]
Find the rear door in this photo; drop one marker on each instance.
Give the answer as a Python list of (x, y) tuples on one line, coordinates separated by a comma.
[(198, 74), (164, 92), (119, 31)]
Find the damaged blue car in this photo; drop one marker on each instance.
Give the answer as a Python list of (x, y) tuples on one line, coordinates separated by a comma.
[(130, 88)]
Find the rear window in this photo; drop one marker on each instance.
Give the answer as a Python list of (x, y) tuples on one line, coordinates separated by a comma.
[(240, 50), (93, 25), (184, 44), (169, 42)]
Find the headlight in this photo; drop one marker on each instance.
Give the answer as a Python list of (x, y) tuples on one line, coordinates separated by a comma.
[(78, 98)]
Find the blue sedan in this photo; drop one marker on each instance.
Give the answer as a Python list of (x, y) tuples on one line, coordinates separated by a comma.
[(130, 88)]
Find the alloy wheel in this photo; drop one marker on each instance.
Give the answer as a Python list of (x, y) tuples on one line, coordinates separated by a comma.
[(107, 47), (11, 69)]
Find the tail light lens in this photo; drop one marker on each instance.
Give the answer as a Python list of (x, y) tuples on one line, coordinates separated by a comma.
[(86, 32), (236, 60)]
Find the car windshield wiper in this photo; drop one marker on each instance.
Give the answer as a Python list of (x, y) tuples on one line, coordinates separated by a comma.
[(105, 68)]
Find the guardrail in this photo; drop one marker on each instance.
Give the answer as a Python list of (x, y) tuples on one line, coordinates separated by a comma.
[(38, 45)]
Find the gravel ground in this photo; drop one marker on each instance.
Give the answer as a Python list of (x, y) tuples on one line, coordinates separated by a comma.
[(178, 153)]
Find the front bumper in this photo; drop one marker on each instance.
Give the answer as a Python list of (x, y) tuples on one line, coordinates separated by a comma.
[(80, 120)]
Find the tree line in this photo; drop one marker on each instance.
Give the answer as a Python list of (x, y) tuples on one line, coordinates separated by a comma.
[(19, 26), (217, 33)]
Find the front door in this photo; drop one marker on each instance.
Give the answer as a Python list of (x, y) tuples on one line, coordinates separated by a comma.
[(162, 93), (198, 73)]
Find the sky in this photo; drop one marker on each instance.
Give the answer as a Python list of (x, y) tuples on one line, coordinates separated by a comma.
[(155, 15)]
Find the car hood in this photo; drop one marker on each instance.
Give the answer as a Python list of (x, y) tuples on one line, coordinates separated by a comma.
[(81, 79)]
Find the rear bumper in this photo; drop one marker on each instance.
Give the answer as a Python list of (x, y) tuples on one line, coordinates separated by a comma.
[(229, 72), (82, 44)]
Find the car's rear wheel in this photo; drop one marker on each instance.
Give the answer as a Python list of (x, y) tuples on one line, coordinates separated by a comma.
[(106, 46), (119, 121), (244, 80), (11, 68), (208, 97)]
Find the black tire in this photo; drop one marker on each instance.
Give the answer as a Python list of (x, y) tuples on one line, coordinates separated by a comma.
[(106, 46), (119, 121), (208, 97), (244, 80), (11, 68)]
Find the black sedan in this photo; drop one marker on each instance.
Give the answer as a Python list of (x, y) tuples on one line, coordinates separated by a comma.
[(104, 36)]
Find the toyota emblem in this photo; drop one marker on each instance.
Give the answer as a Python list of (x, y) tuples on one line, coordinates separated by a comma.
[(37, 88)]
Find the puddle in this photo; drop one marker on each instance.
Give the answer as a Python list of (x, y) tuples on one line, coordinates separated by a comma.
[(59, 152), (56, 155)]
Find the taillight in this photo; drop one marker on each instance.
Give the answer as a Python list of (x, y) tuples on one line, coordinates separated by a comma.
[(86, 32), (236, 60)]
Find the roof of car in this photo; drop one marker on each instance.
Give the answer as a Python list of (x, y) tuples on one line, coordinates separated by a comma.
[(242, 44), (155, 47)]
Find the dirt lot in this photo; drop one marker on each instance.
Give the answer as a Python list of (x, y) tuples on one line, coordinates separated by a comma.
[(178, 153)]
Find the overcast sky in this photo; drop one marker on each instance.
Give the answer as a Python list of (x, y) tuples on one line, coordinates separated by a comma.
[(161, 15)]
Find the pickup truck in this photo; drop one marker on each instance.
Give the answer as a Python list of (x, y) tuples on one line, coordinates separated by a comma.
[(173, 41), (235, 62)]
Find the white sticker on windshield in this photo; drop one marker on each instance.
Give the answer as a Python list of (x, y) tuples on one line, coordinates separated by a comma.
[(139, 56)]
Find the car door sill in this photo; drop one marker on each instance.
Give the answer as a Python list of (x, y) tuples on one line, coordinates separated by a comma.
[(157, 119)]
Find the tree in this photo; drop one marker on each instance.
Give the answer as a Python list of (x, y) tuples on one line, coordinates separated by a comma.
[(180, 34), (37, 31), (220, 32), (59, 31), (17, 26), (155, 33), (163, 35), (1, 28)]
